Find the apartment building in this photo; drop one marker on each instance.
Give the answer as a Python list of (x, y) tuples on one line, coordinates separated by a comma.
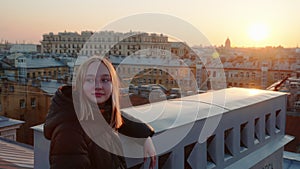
[(69, 43), (125, 44)]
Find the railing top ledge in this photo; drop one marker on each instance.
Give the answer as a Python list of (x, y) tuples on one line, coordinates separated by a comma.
[(177, 112), (39, 128)]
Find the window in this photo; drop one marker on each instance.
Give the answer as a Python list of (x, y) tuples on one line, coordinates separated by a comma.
[(242, 74), (11, 88), (9, 137), (22, 117), (33, 102), (22, 104), (214, 74)]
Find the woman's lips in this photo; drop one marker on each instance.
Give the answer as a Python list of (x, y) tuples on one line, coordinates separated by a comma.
[(99, 94)]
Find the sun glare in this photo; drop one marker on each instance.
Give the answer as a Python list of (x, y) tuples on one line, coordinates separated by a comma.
[(258, 32)]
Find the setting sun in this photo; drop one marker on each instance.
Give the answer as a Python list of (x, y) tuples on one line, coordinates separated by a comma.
[(258, 32)]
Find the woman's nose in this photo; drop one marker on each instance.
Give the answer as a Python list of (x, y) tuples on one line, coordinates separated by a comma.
[(98, 84)]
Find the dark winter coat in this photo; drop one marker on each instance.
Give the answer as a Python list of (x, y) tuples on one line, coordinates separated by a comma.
[(72, 148)]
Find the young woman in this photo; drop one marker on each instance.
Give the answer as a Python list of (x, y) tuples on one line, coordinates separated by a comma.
[(84, 121)]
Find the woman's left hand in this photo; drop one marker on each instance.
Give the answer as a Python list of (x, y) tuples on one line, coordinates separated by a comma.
[(149, 151)]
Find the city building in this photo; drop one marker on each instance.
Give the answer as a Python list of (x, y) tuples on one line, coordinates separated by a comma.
[(25, 102), (251, 68), (9, 127), (26, 88), (4, 47), (69, 43), (124, 44), (168, 71), (23, 48), (227, 44), (32, 67)]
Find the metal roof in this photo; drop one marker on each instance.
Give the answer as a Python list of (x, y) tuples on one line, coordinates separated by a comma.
[(6, 122), (42, 62), (14, 155), (50, 87)]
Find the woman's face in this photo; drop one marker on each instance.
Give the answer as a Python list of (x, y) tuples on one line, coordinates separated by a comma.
[(97, 85)]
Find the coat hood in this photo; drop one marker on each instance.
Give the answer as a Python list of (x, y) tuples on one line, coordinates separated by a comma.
[(61, 110)]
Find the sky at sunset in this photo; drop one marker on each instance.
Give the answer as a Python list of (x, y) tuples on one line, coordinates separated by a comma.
[(255, 23)]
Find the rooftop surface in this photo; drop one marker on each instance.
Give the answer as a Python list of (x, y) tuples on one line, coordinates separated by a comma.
[(6, 122), (14, 155), (42, 62)]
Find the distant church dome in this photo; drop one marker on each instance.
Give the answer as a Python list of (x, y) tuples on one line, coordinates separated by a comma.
[(227, 43)]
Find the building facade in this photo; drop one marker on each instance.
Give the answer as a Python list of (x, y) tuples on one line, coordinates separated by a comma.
[(26, 103), (69, 43), (124, 44), (26, 88)]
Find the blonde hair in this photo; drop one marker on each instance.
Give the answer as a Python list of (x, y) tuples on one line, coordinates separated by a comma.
[(85, 109)]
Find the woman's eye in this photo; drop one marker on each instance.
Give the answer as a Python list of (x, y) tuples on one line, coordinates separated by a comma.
[(105, 80), (90, 80)]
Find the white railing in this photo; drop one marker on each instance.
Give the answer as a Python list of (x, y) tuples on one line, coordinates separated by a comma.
[(230, 128)]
